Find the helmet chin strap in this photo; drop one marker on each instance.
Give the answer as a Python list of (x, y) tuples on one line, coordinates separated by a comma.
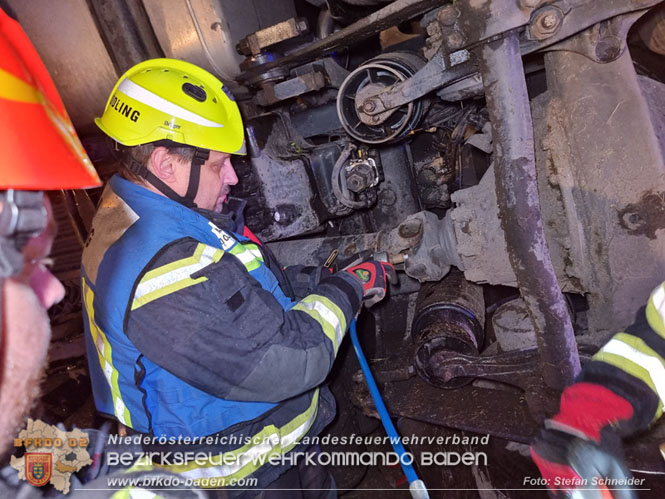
[(200, 157)]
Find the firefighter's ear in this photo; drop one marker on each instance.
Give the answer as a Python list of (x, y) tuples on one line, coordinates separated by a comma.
[(162, 164)]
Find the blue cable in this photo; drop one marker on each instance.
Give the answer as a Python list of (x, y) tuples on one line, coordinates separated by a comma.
[(417, 486)]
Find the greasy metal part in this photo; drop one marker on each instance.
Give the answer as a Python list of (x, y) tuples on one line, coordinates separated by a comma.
[(432, 76), (78, 62), (437, 251), (272, 93), (611, 188), (422, 239), (501, 412), (517, 193), (652, 32), (480, 21), (361, 174), (484, 20), (254, 43), (205, 32), (273, 75), (519, 368), (325, 24), (397, 12), (276, 185), (545, 22), (449, 319), (602, 42), (356, 112)]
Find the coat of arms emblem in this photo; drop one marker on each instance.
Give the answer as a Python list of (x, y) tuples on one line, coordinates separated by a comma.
[(37, 468)]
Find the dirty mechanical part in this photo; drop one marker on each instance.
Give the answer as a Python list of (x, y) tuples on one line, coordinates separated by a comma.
[(354, 111), (515, 171), (481, 173), (449, 319)]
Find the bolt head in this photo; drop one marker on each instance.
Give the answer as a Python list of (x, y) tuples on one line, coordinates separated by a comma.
[(455, 40), (548, 21), (369, 106)]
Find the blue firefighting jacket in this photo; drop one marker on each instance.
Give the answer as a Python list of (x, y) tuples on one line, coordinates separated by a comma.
[(145, 255)]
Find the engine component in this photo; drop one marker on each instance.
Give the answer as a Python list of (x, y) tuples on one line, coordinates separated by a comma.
[(254, 43), (450, 316), (275, 182), (437, 248), (369, 79), (271, 93), (275, 74), (361, 174)]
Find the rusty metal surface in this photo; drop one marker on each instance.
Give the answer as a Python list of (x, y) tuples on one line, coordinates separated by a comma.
[(395, 13), (257, 41), (500, 412), (483, 20), (272, 93), (603, 42), (517, 193), (607, 165)]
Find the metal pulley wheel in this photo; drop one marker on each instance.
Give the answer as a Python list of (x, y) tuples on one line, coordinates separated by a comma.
[(368, 80)]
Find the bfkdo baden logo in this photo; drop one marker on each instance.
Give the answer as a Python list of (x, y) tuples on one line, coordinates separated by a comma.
[(51, 455), (37, 468)]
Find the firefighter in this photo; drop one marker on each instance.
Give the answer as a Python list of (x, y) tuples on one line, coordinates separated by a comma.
[(620, 392), (192, 328), (40, 151)]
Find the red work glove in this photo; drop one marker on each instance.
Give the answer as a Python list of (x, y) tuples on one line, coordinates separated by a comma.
[(374, 276), (578, 448)]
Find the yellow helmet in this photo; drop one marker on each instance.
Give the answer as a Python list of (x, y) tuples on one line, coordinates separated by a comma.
[(168, 99)]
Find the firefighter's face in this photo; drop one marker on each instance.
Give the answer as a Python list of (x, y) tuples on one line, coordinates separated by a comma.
[(26, 332), (217, 177)]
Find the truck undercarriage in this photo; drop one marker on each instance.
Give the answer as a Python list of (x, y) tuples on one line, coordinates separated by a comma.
[(508, 156)]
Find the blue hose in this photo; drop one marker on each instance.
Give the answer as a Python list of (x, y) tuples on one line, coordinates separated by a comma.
[(417, 486)]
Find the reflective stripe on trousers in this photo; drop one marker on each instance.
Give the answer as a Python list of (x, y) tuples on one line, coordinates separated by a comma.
[(242, 462)]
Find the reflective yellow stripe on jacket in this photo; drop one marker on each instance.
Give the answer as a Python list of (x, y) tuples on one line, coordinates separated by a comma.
[(244, 461), (175, 276), (632, 355), (329, 316), (105, 358)]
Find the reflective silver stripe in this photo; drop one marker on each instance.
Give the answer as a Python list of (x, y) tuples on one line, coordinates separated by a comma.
[(131, 89), (244, 256), (328, 315), (141, 494), (652, 365), (253, 454), (258, 452), (175, 275)]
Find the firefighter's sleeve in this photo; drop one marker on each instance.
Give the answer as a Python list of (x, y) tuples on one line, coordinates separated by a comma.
[(211, 324), (305, 278), (630, 370)]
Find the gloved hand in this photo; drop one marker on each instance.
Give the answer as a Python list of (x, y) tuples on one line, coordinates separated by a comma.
[(569, 463), (579, 448), (374, 276)]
